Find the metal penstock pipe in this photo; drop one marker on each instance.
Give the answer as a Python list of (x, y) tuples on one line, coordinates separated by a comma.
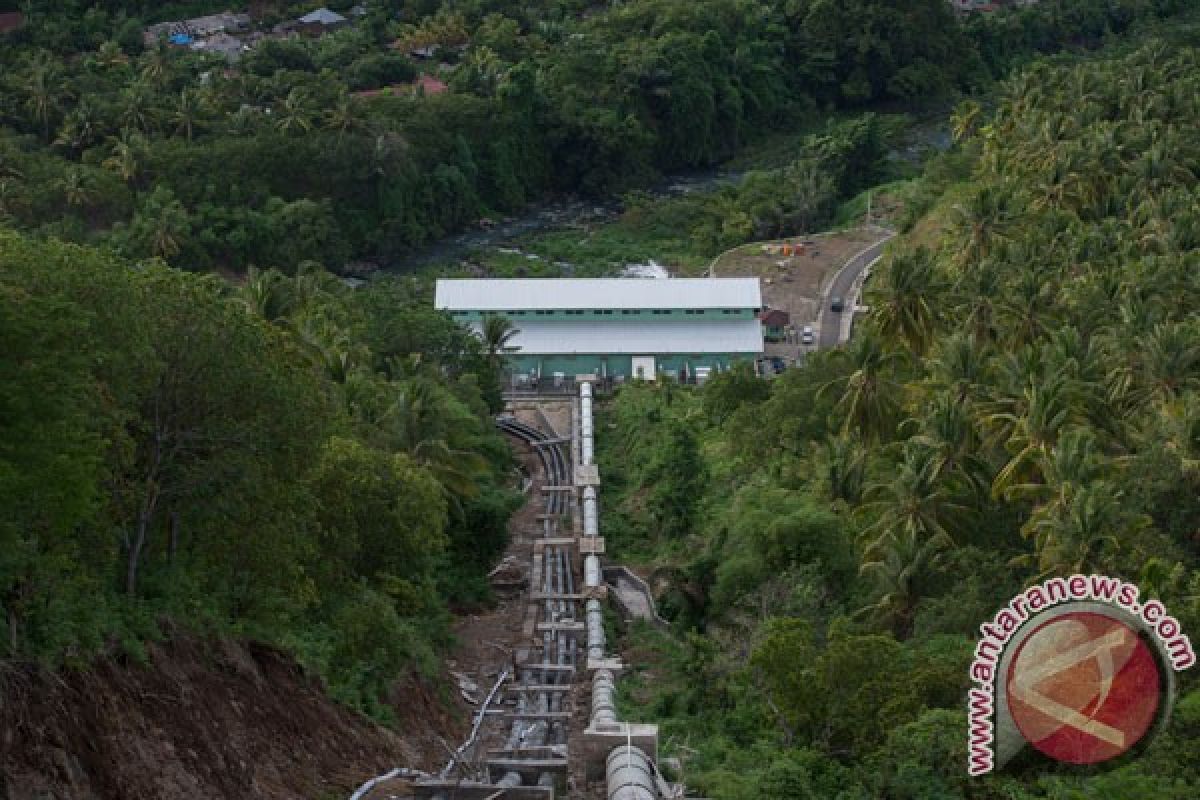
[(630, 776), (591, 513), (595, 630)]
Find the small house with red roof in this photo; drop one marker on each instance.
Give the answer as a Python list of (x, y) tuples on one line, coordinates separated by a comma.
[(424, 85), (774, 323)]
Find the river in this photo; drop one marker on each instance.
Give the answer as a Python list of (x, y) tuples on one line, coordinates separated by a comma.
[(555, 214)]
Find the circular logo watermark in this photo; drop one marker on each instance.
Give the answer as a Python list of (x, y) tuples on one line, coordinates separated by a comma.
[(1084, 687), (1076, 668)]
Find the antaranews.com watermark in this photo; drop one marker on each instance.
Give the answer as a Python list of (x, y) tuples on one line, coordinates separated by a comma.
[(1077, 667)]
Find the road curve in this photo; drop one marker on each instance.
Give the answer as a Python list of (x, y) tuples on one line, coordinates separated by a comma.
[(829, 323)]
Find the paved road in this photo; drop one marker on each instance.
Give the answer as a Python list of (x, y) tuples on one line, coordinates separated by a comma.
[(829, 323)]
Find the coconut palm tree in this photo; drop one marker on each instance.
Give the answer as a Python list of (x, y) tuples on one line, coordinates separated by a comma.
[(868, 395), (162, 223), (76, 188), (1077, 537), (1168, 363), (125, 157), (188, 113), (1178, 432), (138, 107), (45, 91), (330, 348), (345, 117), (946, 431), (905, 309), (156, 66), (900, 566), (419, 421), (267, 293), (80, 128), (294, 115), (1030, 431), (845, 465), (964, 122), (1074, 462), (1026, 307), (496, 332), (914, 503), (960, 366)]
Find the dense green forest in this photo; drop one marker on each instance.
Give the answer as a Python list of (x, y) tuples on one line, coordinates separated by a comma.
[(1022, 400), (166, 152), (290, 460)]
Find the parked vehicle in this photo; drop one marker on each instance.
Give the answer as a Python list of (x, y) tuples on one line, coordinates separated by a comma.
[(806, 335)]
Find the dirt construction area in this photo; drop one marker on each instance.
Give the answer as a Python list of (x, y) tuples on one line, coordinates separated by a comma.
[(794, 273)]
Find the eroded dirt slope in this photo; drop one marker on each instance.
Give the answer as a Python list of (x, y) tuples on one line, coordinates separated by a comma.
[(204, 720)]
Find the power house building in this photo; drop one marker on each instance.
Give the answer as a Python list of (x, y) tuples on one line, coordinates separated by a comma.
[(615, 328)]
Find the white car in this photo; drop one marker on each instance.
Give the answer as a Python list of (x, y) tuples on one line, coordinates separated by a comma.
[(806, 335)]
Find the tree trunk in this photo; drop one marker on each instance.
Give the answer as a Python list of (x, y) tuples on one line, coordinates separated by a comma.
[(135, 554), (14, 630), (172, 536), (139, 540), (149, 504)]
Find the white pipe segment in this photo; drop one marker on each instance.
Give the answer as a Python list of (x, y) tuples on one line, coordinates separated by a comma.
[(630, 775), (591, 514), (591, 571), (595, 629), (587, 445)]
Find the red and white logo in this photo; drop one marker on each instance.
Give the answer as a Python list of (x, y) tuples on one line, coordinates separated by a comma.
[(1083, 687), (1080, 668)]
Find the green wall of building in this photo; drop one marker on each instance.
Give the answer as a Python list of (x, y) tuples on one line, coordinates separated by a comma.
[(618, 365)]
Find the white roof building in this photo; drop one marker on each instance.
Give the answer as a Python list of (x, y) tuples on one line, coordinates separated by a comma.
[(618, 327), (554, 294), (322, 16)]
